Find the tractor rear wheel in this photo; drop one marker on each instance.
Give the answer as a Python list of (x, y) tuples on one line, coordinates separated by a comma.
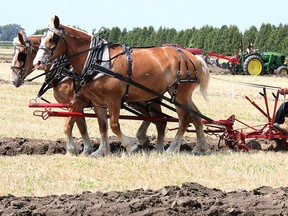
[(253, 65), (282, 70)]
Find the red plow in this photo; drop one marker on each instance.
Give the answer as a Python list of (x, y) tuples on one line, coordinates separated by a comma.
[(244, 138)]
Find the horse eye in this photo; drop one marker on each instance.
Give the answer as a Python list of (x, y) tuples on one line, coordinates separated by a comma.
[(21, 57)]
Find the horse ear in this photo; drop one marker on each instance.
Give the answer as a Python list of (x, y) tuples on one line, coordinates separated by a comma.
[(21, 39), (56, 22), (23, 33)]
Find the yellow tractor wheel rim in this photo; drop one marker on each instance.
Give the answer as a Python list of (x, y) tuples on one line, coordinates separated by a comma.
[(283, 72), (254, 67)]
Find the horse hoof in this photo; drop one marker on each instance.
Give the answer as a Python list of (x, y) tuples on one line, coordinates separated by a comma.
[(87, 152), (71, 153), (171, 151), (196, 152), (134, 148), (146, 144), (99, 153)]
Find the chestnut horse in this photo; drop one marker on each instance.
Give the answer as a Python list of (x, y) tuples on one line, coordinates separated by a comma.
[(25, 51), (159, 69)]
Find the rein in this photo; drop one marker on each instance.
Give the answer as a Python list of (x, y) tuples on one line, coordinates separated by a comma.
[(254, 85)]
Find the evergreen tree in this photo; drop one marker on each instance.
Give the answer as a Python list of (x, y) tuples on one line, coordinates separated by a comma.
[(232, 42), (39, 31), (122, 37), (251, 33), (263, 36), (114, 34)]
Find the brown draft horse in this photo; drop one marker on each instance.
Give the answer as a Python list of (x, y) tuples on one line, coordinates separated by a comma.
[(158, 68), (25, 49), (22, 65)]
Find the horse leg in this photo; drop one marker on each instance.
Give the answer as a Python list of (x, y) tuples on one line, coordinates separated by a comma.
[(77, 106), (128, 142), (184, 120), (82, 126), (201, 146), (142, 131), (104, 147), (160, 126), (142, 134), (70, 145)]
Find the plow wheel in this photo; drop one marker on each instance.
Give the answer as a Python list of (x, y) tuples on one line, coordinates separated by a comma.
[(209, 61), (253, 145), (253, 65)]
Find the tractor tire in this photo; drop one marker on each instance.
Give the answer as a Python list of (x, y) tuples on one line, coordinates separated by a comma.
[(253, 65), (235, 69), (254, 145), (282, 70)]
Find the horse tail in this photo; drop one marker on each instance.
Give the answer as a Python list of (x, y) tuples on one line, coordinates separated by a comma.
[(205, 77)]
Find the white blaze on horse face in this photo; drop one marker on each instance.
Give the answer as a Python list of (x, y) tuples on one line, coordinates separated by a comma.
[(43, 53), (15, 62), (37, 62)]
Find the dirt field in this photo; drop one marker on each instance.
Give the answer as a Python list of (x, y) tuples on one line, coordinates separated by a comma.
[(189, 199)]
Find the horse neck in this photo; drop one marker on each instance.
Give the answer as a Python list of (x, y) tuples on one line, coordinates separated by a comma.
[(35, 39), (77, 42)]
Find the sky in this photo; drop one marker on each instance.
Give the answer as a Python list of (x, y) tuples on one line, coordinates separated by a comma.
[(178, 14)]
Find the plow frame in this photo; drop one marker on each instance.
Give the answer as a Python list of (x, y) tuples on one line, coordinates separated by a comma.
[(223, 129)]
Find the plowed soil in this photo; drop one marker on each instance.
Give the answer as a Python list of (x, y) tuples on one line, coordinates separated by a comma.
[(189, 199)]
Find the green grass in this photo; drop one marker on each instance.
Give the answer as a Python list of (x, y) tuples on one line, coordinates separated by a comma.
[(57, 174)]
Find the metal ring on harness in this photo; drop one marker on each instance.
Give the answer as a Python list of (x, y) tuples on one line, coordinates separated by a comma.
[(50, 85), (82, 83)]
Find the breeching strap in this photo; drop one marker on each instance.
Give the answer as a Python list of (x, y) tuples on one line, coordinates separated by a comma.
[(110, 73)]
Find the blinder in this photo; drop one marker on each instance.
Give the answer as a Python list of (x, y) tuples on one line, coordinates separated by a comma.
[(22, 56)]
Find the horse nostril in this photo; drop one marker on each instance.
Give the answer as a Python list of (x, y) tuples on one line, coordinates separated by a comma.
[(39, 63)]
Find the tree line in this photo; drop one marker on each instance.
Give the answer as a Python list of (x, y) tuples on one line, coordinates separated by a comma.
[(220, 40)]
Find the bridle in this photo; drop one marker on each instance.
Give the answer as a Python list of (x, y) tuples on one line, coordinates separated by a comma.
[(57, 34), (22, 56)]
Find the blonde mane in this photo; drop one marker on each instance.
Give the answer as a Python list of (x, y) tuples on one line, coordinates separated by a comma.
[(80, 33)]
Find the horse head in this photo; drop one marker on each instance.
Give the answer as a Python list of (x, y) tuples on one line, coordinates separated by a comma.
[(50, 46), (24, 52)]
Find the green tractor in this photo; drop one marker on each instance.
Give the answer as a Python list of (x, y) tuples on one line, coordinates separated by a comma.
[(250, 61), (274, 61), (247, 61)]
